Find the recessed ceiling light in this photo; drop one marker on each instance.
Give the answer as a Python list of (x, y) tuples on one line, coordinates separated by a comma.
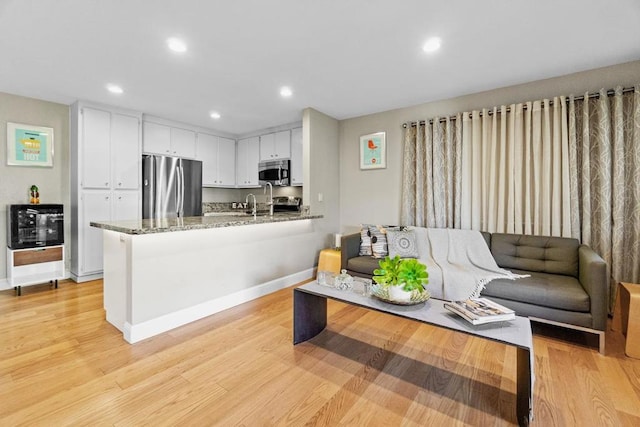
[(432, 44), (285, 92), (176, 45), (114, 89), (215, 115)]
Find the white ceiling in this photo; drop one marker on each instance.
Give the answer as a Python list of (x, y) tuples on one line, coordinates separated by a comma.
[(345, 58)]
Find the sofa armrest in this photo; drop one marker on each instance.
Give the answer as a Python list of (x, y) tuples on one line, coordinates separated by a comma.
[(592, 274), (350, 248)]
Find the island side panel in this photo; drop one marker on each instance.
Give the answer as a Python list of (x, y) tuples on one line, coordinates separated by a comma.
[(117, 275), (178, 277)]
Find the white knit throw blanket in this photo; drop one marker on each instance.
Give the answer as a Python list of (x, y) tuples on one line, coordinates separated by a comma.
[(459, 262)]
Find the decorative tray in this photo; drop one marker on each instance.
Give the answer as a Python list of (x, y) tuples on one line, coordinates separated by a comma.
[(383, 294)]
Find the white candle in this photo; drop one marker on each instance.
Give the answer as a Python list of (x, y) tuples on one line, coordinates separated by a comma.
[(338, 237)]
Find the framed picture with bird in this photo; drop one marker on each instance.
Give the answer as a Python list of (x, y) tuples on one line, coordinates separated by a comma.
[(373, 151)]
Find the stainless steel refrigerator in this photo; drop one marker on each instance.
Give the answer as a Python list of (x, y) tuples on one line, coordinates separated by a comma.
[(171, 187)]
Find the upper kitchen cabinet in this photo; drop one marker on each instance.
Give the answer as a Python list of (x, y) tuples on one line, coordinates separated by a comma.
[(275, 146), (207, 153), (248, 157), (110, 152), (157, 138), (218, 156), (168, 141), (126, 151), (296, 157), (183, 143), (95, 129), (227, 162)]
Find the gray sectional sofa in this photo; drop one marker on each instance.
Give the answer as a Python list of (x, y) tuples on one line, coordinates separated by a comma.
[(568, 283)]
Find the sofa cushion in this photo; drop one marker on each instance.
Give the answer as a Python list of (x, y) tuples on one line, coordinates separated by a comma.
[(402, 243), (555, 255), (363, 264), (544, 289)]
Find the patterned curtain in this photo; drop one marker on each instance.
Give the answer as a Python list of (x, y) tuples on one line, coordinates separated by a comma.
[(431, 184), (546, 167), (606, 134)]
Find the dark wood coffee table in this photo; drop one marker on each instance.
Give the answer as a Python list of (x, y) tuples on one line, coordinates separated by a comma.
[(310, 318)]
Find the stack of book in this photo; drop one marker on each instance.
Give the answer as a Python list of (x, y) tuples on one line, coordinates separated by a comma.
[(480, 310)]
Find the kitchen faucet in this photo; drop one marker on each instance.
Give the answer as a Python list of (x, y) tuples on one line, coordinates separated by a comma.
[(254, 211), (270, 201)]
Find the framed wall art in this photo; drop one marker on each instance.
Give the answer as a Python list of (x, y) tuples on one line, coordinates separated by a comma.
[(373, 151), (29, 145)]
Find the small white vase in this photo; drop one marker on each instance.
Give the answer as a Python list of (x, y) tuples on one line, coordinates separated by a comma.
[(397, 293)]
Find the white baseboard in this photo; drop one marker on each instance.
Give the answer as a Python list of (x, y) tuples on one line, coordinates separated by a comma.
[(149, 328), (85, 278)]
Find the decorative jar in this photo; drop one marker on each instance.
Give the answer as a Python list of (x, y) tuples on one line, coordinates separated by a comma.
[(343, 281)]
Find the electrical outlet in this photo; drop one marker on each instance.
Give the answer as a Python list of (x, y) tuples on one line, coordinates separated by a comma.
[(320, 197)]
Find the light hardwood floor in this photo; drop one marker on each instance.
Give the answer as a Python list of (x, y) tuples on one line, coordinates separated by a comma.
[(61, 363)]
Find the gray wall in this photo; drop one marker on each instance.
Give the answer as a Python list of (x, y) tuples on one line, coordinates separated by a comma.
[(16, 180), (321, 164), (373, 196)]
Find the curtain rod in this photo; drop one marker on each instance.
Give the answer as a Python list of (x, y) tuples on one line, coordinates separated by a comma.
[(610, 92)]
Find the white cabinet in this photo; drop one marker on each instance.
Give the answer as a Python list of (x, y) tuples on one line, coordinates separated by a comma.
[(275, 146), (99, 206), (169, 141), (95, 206), (218, 156), (183, 143), (157, 138), (126, 205), (106, 154), (35, 265), (207, 153), (248, 157), (227, 162), (282, 149), (296, 157), (267, 144), (108, 137), (96, 136), (125, 147)]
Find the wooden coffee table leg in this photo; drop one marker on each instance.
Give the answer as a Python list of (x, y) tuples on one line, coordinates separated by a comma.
[(309, 315), (524, 385)]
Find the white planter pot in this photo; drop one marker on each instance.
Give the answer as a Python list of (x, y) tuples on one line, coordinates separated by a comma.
[(396, 293)]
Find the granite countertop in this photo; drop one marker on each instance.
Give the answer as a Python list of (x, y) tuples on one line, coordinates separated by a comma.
[(149, 226)]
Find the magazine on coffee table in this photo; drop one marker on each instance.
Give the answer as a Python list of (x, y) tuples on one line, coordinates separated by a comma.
[(480, 310)]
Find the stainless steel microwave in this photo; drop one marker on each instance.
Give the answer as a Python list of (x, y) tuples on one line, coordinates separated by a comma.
[(276, 172)]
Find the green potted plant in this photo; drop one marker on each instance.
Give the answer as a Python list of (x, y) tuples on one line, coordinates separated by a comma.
[(387, 274), (401, 277)]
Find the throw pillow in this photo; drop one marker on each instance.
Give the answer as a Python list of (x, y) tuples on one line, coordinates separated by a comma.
[(365, 241), (402, 243), (379, 240)]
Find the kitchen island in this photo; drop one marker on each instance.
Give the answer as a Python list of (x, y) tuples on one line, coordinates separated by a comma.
[(161, 274)]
